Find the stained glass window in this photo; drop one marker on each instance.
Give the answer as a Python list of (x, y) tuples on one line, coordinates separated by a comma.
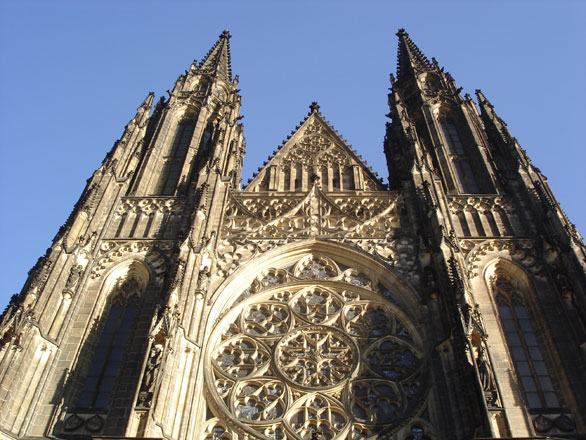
[(524, 347), (108, 355)]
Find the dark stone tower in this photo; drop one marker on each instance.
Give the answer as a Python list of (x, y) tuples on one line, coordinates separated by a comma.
[(511, 262)]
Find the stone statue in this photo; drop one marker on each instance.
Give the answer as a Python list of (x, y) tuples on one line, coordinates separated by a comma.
[(486, 378), (203, 279), (74, 276), (153, 363)]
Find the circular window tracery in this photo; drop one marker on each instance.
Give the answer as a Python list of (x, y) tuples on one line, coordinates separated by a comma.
[(311, 355)]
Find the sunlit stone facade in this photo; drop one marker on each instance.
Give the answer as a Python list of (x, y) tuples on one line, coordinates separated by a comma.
[(316, 302)]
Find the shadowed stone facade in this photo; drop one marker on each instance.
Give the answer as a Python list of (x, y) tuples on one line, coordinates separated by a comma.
[(315, 303)]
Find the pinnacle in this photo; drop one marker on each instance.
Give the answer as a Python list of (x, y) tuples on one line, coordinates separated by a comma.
[(218, 58), (314, 107), (409, 56), (148, 101), (483, 101)]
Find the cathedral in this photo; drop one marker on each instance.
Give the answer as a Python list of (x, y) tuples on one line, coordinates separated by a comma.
[(317, 302)]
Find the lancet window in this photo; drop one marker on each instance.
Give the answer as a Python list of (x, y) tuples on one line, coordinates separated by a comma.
[(458, 157), (452, 137), (465, 175), (114, 336), (347, 179), (174, 160), (523, 346)]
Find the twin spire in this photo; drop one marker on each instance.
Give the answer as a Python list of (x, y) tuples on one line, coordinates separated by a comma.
[(409, 56)]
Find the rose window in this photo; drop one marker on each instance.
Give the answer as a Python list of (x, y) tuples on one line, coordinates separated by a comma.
[(315, 354), (316, 357)]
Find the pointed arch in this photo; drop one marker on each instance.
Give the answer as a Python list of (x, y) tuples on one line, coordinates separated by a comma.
[(300, 323), (512, 294), (122, 294), (513, 261), (174, 158), (287, 254), (457, 155)]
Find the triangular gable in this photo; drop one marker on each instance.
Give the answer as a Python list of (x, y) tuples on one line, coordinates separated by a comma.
[(315, 150)]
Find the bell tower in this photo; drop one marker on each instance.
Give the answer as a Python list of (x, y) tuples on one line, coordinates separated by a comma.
[(94, 320), (488, 220)]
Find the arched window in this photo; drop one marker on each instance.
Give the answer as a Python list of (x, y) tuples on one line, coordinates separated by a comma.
[(298, 176), (523, 346), (336, 179), (465, 175), (452, 137), (286, 178), (324, 178), (174, 160), (115, 332), (203, 150), (347, 179), (182, 138)]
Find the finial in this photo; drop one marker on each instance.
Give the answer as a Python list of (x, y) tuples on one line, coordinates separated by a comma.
[(402, 32), (225, 34), (314, 107)]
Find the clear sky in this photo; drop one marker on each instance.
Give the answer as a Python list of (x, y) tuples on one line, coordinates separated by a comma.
[(72, 74)]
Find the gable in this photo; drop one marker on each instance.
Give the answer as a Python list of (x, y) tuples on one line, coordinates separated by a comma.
[(315, 151)]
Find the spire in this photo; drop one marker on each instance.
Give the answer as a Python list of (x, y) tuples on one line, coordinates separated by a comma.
[(409, 56), (218, 58), (490, 118), (148, 101), (484, 103)]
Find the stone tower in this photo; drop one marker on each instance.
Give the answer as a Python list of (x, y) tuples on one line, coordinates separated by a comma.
[(317, 302)]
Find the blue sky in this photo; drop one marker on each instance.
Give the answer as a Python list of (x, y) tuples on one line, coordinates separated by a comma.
[(72, 74)]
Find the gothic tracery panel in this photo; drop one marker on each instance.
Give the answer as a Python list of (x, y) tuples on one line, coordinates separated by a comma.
[(312, 349)]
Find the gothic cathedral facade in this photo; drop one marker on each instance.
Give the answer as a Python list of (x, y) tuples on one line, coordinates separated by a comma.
[(315, 303)]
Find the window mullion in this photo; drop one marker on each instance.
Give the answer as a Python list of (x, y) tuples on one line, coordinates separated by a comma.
[(528, 356), (107, 356)]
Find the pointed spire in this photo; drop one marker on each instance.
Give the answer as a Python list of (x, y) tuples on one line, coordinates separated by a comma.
[(490, 118), (218, 58), (409, 56)]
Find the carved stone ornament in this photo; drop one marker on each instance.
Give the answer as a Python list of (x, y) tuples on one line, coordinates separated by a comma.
[(317, 147), (156, 254), (149, 378), (310, 355), (542, 423), (147, 205), (73, 278), (94, 423), (253, 224), (521, 251), (73, 422)]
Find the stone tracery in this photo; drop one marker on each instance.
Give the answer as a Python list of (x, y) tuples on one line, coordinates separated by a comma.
[(311, 348)]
